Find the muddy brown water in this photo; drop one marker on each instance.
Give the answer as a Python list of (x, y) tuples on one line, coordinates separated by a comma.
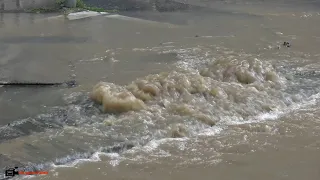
[(247, 106)]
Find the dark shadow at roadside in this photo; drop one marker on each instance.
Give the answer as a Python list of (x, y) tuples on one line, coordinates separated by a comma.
[(37, 39)]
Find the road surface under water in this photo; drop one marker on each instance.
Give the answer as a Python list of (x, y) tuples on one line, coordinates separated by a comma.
[(221, 96)]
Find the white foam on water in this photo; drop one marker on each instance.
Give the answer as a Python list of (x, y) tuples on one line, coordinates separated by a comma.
[(217, 36), (94, 59), (112, 155), (152, 148), (114, 162), (312, 100), (141, 49), (268, 116), (166, 43), (154, 145), (94, 158), (115, 158), (213, 131)]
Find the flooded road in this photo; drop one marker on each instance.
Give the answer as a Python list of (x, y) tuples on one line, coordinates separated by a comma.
[(209, 92)]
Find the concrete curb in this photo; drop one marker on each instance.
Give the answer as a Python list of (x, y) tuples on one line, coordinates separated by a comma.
[(73, 16), (84, 14)]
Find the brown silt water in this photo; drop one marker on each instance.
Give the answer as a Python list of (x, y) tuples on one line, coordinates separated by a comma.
[(208, 93)]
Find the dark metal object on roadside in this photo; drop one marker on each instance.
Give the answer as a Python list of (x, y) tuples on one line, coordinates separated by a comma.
[(71, 83), (287, 44)]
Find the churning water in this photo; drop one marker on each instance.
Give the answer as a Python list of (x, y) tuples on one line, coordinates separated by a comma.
[(200, 94)]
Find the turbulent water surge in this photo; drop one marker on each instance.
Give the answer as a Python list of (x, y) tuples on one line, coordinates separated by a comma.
[(206, 98), (204, 95)]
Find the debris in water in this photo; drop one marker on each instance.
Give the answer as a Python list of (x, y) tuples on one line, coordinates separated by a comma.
[(287, 44)]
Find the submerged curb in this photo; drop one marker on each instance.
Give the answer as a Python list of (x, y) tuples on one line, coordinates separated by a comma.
[(84, 14), (74, 16)]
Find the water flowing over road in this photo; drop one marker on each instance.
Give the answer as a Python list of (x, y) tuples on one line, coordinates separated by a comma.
[(209, 91)]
